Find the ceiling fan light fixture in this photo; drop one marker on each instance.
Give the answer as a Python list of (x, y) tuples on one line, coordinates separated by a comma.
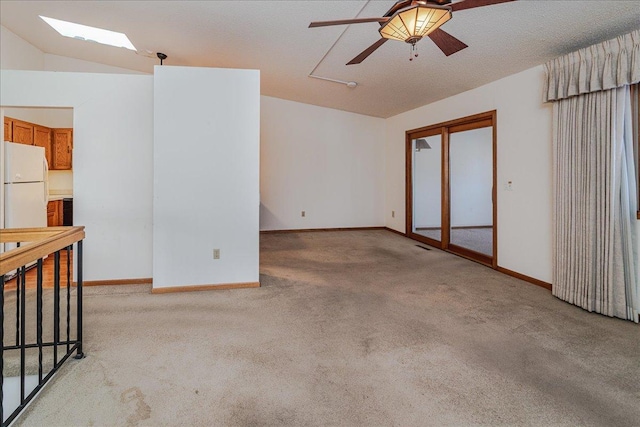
[(412, 24)]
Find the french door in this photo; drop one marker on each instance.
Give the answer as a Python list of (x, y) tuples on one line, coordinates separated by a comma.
[(451, 186)]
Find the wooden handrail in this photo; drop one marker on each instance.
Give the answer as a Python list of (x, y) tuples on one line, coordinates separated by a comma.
[(43, 241)]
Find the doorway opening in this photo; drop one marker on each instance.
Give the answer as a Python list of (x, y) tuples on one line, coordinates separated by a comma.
[(451, 186), (43, 195), (51, 129)]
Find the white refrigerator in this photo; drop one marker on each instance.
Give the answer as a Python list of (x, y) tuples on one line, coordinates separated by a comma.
[(25, 187)]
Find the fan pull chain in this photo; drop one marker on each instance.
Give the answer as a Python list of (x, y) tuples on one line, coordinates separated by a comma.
[(413, 53)]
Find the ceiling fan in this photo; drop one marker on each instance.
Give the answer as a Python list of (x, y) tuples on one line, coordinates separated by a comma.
[(411, 20)]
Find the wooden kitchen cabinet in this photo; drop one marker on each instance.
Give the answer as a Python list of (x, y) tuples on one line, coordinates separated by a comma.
[(62, 147), (57, 143), (8, 129), (55, 213), (42, 138), (22, 132), (51, 214)]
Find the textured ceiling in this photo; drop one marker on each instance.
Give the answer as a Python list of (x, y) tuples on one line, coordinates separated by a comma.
[(272, 36)]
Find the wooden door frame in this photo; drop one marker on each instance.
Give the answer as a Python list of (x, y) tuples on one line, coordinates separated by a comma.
[(420, 133), (475, 121)]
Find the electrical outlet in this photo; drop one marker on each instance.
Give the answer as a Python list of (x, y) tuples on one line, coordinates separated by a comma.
[(303, 214), (393, 214), (216, 254)]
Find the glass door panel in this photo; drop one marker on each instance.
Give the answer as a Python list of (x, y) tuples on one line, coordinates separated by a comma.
[(471, 188), (427, 187)]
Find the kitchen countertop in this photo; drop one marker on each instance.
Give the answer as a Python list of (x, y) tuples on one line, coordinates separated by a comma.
[(58, 197)]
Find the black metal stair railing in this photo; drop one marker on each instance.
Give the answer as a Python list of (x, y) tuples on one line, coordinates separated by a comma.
[(55, 339)]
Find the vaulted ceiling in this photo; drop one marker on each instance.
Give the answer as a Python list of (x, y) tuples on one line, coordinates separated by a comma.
[(273, 36)]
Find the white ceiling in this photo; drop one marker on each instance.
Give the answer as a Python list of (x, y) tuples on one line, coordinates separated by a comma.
[(272, 36)]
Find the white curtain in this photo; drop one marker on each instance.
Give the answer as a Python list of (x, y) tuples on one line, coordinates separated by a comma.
[(603, 66), (596, 248)]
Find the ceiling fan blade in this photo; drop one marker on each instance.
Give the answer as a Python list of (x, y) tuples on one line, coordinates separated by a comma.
[(446, 42), (368, 51), (346, 21), (470, 4), (399, 5)]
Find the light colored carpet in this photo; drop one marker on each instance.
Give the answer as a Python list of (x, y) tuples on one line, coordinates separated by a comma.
[(432, 233), (349, 328), (476, 239)]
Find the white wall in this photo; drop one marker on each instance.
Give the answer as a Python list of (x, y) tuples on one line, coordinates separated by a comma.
[(206, 176), (32, 115), (325, 162), (61, 181), (63, 63), (524, 157), (17, 54), (57, 117), (49, 117), (471, 172), (113, 137)]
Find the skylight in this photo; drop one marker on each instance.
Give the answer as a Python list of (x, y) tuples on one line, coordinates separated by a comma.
[(84, 32)]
